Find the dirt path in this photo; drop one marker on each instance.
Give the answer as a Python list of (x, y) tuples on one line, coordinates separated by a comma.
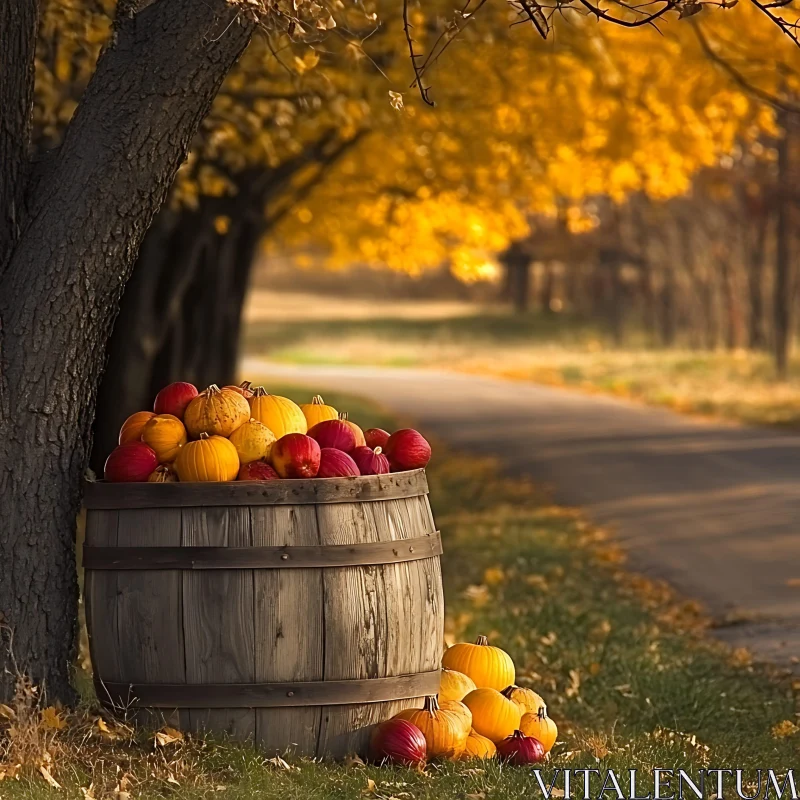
[(713, 509)]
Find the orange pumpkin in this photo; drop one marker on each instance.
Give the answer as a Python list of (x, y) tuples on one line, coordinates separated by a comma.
[(360, 440), (131, 430), (253, 441), (528, 701), (316, 411), (540, 727), (455, 685), (443, 729), (163, 474), (243, 389), (457, 707), (210, 458), (489, 667), (217, 412), (166, 435), (478, 746), (493, 715), (279, 414)]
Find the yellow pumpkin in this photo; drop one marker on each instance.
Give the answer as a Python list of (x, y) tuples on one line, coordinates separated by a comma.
[(359, 434), (528, 701), (443, 729), (457, 707), (253, 441), (316, 411), (493, 715), (210, 458), (278, 413), (163, 474), (217, 412), (455, 685), (478, 746), (131, 430), (489, 667), (540, 727), (165, 434)]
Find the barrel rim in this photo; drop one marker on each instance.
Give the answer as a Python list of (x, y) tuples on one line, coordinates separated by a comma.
[(102, 495)]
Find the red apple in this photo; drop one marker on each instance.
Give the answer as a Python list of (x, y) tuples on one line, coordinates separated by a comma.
[(296, 456), (134, 461), (407, 449), (174, 398), (334, 463), (376, 437), (334, 433), (257, 471), (371, 462)]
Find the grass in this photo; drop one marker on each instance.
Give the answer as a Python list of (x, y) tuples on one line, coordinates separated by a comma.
[(553, 349), (625, 667)]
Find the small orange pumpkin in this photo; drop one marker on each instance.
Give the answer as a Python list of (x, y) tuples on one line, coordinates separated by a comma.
[(163, 474), (489, 667), (529, 702), (455, 685), (279, 414), (540, 727), (217, 412), (493, 715), (316, 411), (360, 440), (457, 707), (478, 746), (253, 441), (166, 435), (131, 430), (210, 458), (443, 730)]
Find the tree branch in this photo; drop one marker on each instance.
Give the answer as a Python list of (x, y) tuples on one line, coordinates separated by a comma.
[(19, 21)]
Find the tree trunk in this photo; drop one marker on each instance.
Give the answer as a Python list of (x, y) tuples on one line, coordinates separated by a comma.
[(60, 293), (783, 233), (518, 266), (667, 310)]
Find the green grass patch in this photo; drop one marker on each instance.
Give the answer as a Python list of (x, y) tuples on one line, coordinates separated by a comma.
[(625, 667)]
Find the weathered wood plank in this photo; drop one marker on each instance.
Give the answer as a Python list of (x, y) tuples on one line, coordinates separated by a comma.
[(358, 633), (100, 597), (99, 494), (218, 624), (289, 621), (150, 609)]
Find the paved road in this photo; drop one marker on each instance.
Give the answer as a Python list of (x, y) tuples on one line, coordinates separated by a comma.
[(713, 509)]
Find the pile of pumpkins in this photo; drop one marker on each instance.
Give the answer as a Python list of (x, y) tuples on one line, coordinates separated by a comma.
[(245, 433), (478, 713)]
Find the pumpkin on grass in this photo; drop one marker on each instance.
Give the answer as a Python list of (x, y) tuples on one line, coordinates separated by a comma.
[(253, 441), (489, 667), (444, 731), (457, 707), (529, 702), (493, 715), (279, 414), (210, 458), (216, 412), (316, 411), (540, 727), (455, 685), (166, 435), (478, 746)]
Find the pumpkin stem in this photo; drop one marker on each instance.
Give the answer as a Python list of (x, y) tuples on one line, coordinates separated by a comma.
[(260, 391), (431, 705), (343, 416), (508, 691), (317, 400), (518, 735), (203, 435), (213, 389), (378, 451), (482, 640), (245, 385), (542, 712)]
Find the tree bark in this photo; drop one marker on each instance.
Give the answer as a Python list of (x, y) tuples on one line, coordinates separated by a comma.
[(667, 315), (19, 21), (756, 256), (518, 265), (60, 293)]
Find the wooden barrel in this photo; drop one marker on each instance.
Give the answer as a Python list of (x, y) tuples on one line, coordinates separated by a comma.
[(294, 613)]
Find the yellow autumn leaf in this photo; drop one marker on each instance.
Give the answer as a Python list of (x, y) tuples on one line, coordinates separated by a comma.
[(167, 736), (51, 719), (785, 729)]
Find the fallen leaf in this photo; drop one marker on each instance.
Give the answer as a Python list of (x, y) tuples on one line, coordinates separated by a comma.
[(370, 788), (48, 777), (396, 100), (52, 720), (281, 764), (88, 792), (556, 792), (9, 771), (6, 712), (167, 736), (171, 779), (785, 729), (476, 796)]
